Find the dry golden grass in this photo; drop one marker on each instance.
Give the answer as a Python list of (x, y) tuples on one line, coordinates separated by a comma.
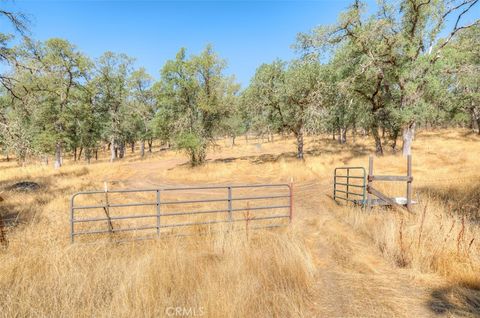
[(334, 261)]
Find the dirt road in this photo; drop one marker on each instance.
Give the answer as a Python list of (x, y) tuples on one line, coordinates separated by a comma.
[(352, 278)]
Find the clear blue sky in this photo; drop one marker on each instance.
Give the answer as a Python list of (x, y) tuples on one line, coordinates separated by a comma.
[(245, 33)]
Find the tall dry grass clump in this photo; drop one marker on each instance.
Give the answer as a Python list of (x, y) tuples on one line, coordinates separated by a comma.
[(442, 235), (307, 269), (432, 240), (221, 275)]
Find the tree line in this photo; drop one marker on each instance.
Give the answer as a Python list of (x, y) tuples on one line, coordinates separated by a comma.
[(381, 74)]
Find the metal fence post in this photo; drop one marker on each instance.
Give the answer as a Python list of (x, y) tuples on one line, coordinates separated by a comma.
[(72, 229), (230, 216), (348, 180), (158, 212), (334, 183), (291, 200), (364, 187)]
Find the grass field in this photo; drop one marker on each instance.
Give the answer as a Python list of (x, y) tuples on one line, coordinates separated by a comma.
[(331, 261)]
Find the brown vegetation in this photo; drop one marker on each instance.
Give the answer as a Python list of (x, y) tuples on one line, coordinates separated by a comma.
[(331, 261)]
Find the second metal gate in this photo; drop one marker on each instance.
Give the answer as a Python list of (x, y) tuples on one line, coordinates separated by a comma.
[(349, 184)]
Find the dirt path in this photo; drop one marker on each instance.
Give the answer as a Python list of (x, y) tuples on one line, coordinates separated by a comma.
[(353, 279)]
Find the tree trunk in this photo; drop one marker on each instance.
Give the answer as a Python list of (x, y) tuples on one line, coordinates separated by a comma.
[(96, 154), (75, 154), (233, 140), (197, 158), (354, 132), (408, 135), (88, 154), (342, 135), (45, 160), (476, 119), (121, 152), (150, 142), (202, 156), (142, 148), (299, 136), (378, 141), (58, 155), (113, 150), (132, 146), (80, 153), (394, 139)]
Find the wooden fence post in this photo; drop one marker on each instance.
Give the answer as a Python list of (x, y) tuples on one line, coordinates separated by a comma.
[(369, 183), (409, 182)]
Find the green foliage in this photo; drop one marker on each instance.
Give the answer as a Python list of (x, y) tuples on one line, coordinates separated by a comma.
[(112, 83), (386, 70), (193, 145), (284, 97), (194, 96), (389, 56)]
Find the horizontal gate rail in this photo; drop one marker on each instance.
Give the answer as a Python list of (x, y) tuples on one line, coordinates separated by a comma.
[(344, 188), (383, 199), (229, 209)]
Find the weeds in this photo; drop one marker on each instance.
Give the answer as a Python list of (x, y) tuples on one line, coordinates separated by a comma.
[(259, 274)]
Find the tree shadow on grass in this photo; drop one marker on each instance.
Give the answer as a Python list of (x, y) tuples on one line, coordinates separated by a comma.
[(461, 199), (462, 136), (353, 152), (455, 301)]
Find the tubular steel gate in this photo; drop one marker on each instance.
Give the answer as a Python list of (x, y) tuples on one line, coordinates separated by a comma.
[(349, 184), (115, 212)]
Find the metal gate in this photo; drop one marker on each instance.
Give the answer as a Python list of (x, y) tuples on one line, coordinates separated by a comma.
[(113, 211), (349, 184)]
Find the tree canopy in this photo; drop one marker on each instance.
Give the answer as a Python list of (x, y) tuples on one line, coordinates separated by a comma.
[(406, 65)]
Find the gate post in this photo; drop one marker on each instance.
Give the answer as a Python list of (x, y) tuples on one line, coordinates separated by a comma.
[(369, 183), (72, 229), (409, 182), (348, 181), (230, 216), (158, 212), (291, 199), (334, 184)]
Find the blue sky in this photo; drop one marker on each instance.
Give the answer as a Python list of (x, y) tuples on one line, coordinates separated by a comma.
[(245, 33)]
